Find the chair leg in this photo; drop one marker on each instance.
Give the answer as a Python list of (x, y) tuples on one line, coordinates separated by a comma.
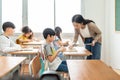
[(64, 75)]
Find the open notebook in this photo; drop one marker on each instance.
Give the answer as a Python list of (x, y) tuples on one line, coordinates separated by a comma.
[(71, 50)]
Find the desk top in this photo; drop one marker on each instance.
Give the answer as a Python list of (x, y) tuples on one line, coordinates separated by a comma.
[(34, 43), (90, 70), (32, 51), (7, 64), (78, 51)]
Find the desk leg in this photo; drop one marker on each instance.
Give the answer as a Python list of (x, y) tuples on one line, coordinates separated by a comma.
[(29, 57), (71, 57), (15, 75), (67, 57)]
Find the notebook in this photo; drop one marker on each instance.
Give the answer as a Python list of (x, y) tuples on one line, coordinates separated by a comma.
[(71, 50)]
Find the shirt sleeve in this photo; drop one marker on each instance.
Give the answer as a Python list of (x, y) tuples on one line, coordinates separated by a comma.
[(48, 50), (76, 35), (95, 29), (10, 49), (7, 45)]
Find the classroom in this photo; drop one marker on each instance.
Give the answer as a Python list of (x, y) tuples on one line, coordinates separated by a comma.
[(38, 16)]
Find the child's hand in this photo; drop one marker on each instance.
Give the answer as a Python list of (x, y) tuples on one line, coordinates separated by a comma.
[(67, 42), (62, 49), (28, 40), (70, 46)]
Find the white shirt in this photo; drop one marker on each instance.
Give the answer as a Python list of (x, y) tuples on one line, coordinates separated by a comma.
[(85, 32), (7, 45)]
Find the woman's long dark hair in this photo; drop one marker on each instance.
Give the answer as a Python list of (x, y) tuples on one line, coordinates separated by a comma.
[(79, 19), (58, 30)]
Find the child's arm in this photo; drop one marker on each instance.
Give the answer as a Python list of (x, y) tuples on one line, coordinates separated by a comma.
[(52, 57), (62, 43), (23, 41)]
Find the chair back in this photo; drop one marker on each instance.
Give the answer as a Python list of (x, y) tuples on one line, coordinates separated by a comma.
[(35, 66), (50, 75), (43, 57)]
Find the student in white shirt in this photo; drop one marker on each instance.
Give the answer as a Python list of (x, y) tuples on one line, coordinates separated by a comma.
[(6, 44)]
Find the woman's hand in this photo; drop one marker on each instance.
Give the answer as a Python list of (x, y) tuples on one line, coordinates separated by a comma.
[(70, 46), (93, 42)]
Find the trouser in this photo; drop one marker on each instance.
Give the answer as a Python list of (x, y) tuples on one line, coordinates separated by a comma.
[(63, 67), (95, 50)]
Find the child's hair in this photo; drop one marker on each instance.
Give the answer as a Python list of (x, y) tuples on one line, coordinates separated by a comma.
[(48, 31), (31, 36), (8, 25), (58, 30), (26, 29)]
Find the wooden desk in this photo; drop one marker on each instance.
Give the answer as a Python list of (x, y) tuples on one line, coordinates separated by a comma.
[(23, 52), (90, 70), (80, 53), (35, 43), (8, 64), (28, 53)]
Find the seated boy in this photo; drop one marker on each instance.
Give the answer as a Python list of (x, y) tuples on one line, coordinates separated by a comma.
[(6, 44), (54, 62)]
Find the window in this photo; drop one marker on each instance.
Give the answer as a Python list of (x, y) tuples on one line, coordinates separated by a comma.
[(12, 11), (40, 14), (65, 9)]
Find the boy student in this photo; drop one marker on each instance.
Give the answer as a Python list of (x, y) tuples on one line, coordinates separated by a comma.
[(6, 44), (54, 62)]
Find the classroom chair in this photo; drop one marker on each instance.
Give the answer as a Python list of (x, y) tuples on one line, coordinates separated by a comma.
[(38, 64), (35, 66), (50, 75)]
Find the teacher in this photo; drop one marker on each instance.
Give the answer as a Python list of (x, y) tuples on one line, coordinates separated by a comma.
[(90, 34)]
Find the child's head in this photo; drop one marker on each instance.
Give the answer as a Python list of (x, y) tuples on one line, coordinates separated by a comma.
[(58, 31), (27, 31), (49, 34), (8, 27)]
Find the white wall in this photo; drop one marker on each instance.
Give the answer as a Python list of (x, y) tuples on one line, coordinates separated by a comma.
[(114, 37), (103, 13), (96, 12), (0, 16)]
